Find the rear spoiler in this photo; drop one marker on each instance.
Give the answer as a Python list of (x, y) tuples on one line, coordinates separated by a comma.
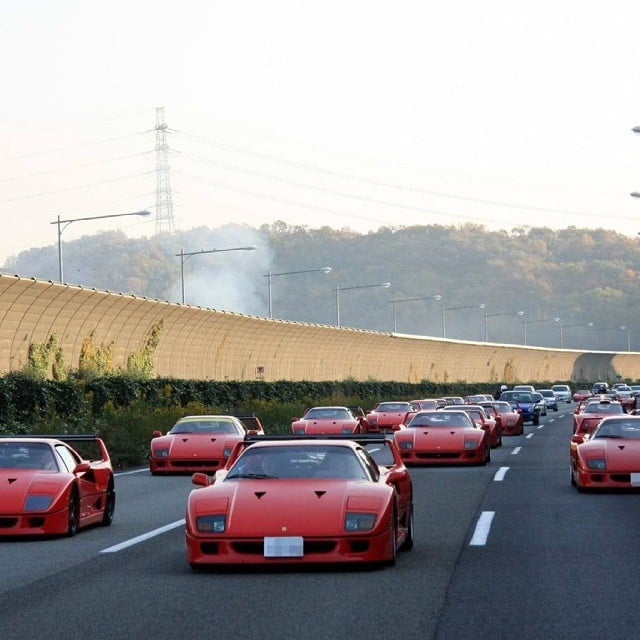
[(68, 437)]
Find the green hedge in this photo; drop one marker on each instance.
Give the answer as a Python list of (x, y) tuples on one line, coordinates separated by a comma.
[(126, 410)]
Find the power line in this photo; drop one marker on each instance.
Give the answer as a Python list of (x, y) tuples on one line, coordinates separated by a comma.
[(380, 183), (75, 146)]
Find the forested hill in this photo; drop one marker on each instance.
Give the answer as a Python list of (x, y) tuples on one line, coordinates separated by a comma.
[(580, 276)]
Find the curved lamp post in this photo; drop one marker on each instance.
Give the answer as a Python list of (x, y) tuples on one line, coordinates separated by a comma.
[(466, 306), (185, 256), (271, 276), (497, 315), (338, 289), (394, 302), (63, 224)]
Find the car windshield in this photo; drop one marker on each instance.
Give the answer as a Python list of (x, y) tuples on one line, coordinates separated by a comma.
[(547, 393), (618, 429), (503, 407), (20, 455), (393, 406), (603, 407), (560, 387), (219, 425), (516, 396), (328, 413), (441, 419), (300, 461)]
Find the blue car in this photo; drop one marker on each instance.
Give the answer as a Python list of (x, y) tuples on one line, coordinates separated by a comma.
[(523, 402)]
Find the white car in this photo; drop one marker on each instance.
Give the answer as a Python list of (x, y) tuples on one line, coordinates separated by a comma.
[(549, 398), (563, 392)]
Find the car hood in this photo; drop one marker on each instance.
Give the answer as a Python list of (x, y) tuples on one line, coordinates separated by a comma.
[(16, 484), (307, 507), (439, 437), (194, 444), (325, 426), (622, 455)]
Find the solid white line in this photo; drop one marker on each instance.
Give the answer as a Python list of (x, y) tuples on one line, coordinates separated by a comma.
[(529, 436), (500, 474), (128, 473), (516, 451), (143, 537), (483, 526)]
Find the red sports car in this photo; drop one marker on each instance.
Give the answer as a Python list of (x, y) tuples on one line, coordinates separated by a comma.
[(506, 416), (587, 415), (610, 459), (581, 394), (443, 437), (48, 488), (301, 500), (329, 421), (389, 416), (484, 420), (198, 443), (427, 404)]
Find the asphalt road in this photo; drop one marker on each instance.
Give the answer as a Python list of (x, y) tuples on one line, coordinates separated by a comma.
[(509, 550)]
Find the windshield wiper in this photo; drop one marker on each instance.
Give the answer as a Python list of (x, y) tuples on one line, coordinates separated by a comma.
[(252, 476)]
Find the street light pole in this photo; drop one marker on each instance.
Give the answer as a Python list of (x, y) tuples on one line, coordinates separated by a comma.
[(496, 315), (394, 302), (270, 276), (338, 289), (184, 256), (66, 223), (466, 306)]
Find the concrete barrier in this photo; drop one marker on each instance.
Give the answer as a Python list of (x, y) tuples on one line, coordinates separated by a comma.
[(198, 343)]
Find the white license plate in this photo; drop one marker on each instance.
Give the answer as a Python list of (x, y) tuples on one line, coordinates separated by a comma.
[(283, 547), (635, 479)]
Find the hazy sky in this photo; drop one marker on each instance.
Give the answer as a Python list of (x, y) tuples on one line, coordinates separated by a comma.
[(342, 113)]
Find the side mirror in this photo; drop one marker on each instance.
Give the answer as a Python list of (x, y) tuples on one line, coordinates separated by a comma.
[(577, 439), (82, 467), (295, 419), (200, 479), (156, 434)]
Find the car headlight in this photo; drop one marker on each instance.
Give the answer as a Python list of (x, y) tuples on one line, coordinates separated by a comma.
[(37, 503), (597, 463), (471, 444), (226, 452), (359, 521), (212, 524), (160, 453), (405, 444)]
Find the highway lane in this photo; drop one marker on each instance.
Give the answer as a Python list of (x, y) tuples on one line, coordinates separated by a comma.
[(527, 580)]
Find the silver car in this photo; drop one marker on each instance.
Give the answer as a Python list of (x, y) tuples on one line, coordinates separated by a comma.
[(562, 392), (550, 399)]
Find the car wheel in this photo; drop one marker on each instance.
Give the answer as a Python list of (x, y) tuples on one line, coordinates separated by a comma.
[(573, 480), (109, 506), (72, 520), (536, 420), (555, 408), (407, 545)]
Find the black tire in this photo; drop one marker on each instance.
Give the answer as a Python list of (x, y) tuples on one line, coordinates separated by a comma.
[(555, 408), (109, 505), (407, 545), (573, 480), (536, 420), (74, 515)]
